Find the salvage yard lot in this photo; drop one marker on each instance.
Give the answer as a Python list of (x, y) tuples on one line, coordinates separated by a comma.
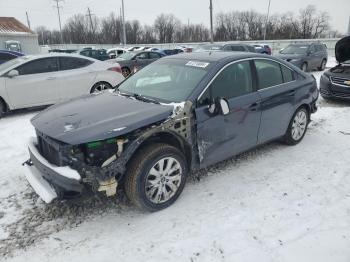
[(274, 203)]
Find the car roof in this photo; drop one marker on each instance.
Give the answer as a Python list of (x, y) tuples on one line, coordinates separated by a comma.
[(32, 57), (214, 56)]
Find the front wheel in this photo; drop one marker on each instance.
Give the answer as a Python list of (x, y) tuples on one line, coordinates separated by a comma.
[(156, 177), (297, 127), (99, 87), (2, 108)]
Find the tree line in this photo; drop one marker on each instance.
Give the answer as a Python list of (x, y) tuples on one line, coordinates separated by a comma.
[(229, 26)]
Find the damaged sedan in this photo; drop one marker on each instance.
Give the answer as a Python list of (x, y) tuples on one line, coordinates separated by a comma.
[(180, 114)]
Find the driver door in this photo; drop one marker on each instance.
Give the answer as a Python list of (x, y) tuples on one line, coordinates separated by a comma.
[(222, 136), (37, 83)]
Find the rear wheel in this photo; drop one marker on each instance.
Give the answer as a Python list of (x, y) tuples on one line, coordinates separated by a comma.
[(2, 108), (323, 65), (156, 177), (304, 67), (297, 127), (100, 86)]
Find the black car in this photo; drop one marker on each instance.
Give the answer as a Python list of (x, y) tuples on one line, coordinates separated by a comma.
[(177, 115), (335, 83), (130, 62), (226, 47)]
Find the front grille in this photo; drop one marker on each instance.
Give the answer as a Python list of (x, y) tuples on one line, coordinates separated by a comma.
[(340, 81), (48, 151)]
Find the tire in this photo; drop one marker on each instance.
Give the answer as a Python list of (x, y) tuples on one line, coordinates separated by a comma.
[(298, 123), (2, 108), (323, 65), (143, 182), (126, 72), (304, 67), (99, 87)]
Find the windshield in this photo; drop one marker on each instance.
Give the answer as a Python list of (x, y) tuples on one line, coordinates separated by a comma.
[(167, 80), (11, 63), (127, 55), (295, 49)]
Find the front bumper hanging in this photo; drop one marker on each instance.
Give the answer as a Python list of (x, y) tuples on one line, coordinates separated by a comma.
[(48, 180)]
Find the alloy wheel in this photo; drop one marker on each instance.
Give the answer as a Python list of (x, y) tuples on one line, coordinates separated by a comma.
[(163, 180), (299, 125)]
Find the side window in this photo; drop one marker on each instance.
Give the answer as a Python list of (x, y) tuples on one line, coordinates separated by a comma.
[(154, 55), (288, 75), (312, 49), (269, 73), (235, 80), (67, 63), (237, 48), (227, 48), (142, 56), (38, 66), (6, 56), (85, 53)]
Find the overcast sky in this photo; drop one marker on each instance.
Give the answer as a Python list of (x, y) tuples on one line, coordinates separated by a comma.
[(42, 12)]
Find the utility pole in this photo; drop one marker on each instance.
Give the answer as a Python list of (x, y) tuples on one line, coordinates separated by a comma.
[(89, 15), (124, 32), (59, 17), (211, 22), (267, 19), (349, 27), (28, 22)]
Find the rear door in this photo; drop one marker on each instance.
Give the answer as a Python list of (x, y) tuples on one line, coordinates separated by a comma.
[(277, 89), (36, 84), (76, 76), (221, 136)]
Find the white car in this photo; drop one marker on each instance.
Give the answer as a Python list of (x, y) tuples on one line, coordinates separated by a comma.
[(115, 52), (30, 81)]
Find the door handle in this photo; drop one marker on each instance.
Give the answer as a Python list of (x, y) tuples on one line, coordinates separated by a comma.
[(51, 78), (254, 106), (291, 93)]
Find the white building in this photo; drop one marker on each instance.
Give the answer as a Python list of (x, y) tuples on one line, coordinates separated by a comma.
[(15, 35)]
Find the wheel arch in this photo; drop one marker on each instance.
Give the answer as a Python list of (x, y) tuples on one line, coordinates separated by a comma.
[(166, 137), (96, 82), (2, 100)]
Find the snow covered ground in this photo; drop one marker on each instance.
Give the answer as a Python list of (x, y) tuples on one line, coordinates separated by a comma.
[(274, 203)]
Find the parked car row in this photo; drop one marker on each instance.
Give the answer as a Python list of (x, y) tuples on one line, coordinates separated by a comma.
[(180, 113)]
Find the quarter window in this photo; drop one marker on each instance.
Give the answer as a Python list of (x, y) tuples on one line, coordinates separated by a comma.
[(288, 75), (38, 66), (269, 73)]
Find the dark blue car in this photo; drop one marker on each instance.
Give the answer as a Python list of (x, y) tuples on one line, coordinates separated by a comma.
[(175, 116), (6, 55)]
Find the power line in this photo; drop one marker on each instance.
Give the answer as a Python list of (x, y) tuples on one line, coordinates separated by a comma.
[(59, 17)]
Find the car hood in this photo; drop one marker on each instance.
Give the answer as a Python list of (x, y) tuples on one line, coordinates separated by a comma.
[(289, 56), (342, 49), (341, 70), (97, 117)]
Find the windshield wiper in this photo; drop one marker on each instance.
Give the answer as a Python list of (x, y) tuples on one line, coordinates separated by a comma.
[(145, 99)]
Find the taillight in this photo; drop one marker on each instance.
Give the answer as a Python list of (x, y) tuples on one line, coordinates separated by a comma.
[(115, 69)]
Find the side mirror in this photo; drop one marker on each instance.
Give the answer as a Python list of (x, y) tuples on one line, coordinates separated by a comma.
[(281, 50), (224, 107), (13, 73), (219, 106)]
